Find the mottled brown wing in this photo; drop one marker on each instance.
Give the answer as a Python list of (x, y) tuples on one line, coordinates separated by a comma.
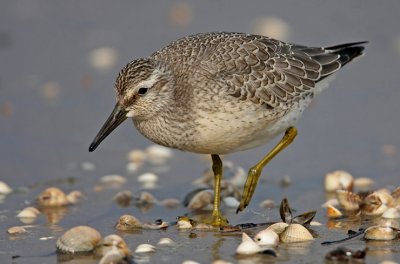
[(268, 71)]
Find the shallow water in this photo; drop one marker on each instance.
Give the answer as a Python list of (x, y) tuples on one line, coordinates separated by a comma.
[(53, 101)]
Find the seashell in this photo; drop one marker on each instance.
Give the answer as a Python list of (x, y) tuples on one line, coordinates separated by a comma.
[(137, 156), (278, 228), (132, 167), (377, 203), (220, 261), (239, 177), (52, 197), (285, 211), (145, 198), (248, 246), (267, 237), (184, 222), (304, 219), (295, 233), (112, 242), (338, 180), (16, 230), (28, 212), (112, 180), (315, 223), (165, 241), (332, 202), (333, 212), (158, 155), (391, 213), (88, 166), (345, 255), (78, 239), (363, 184), (229, 190), (285, 181), (231, 202), (74, 197), (4, 188), (267, 204), (348, 200), (158, 224), (190, 262), (396, 196), (199, 199), (170, 203), (113, 256), (128, 222), (123, 198), (148, 180), (145, 248), (380, 233)]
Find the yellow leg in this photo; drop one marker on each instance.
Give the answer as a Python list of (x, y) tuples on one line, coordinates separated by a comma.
[(255, 171), (217, 218)]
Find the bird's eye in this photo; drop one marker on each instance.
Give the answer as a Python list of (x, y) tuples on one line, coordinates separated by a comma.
[(142, 91)]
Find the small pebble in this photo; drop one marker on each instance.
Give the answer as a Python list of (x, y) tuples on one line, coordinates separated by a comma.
[(145, 248), (4, 188), (16, 230)]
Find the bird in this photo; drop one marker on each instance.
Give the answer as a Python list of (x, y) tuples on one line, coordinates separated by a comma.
[(222, 92)]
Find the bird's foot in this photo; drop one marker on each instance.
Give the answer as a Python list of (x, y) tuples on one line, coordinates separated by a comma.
[(217, 220)]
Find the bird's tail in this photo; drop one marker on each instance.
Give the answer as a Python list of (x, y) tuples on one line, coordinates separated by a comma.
[(348, 51)]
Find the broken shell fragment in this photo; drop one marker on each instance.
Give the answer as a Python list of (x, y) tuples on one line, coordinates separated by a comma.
[(28, 212), (248, 246), (348, 200), (145, 248), (295, 233), (267, 237), (338, 180), (333, 212), (78, 239), (52, 197), (380, 233), (128, 222)]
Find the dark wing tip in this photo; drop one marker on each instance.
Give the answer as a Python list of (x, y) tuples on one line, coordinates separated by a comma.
[(347, 51)]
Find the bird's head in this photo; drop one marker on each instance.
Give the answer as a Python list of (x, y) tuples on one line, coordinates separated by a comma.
[(144, 87)]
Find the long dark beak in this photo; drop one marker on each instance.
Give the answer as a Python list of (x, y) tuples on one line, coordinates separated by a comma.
[(117, 116)]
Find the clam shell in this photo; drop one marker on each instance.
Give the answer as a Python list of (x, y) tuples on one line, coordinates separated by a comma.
[(391, 213), (52, 197), (267, 237), (333, 212), (338, 180), (165, 241), (278, 228), (248, 246), (348, 200), (231, 202), (123, 198), (184, 222), (396, 196), (295, 233), (4, 188), (380, 233), (112, 242), (285, 211), (16, 230), (158, 155), (377, 203), (112, 256), (363, 183), (74, 197), (128, 222), (78, 239), (28, 212), (145, 248), (267, 204), (170, 203), (158, 224), (199, 199), (145, 198)]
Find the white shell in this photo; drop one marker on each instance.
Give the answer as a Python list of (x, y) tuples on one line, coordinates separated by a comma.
[(278, 228), (332, 202), (28, 212), (113, 179), (267, 204), (380, 233), (78, 239), (190, 262), (248, 246), (295, 233), (110, 243), (363, 183), (4, 188), (148, 180), (145, 248), (74, 197), (88, 166), (111, 257), (267, 237), (165, 241), (158, 155), (231, 202), (132, 167), (338, 180), (184, 224), (391, 213)]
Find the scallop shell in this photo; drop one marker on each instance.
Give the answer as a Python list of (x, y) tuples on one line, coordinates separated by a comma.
[(333, 212), (28, 212), (295, 233), (380, 233), (145, 248), (338, 180), (112, 242), (128, 222), (278, 228), (267, 237), (78, 239), (248, 246), (348, 200), (52, 197)]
